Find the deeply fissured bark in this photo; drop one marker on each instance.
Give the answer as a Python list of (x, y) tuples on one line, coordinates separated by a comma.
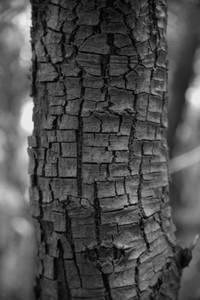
[(98, 153)]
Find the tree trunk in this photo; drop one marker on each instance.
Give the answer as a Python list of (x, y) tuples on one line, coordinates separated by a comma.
[(98, 153), (184, 68)]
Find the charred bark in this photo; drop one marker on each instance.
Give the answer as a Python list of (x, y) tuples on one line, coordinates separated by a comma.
[(98, 153)]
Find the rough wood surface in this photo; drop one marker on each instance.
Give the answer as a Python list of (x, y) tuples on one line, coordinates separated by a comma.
[(98, 153)]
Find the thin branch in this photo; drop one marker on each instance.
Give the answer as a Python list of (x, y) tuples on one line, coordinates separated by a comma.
[(185, 160)]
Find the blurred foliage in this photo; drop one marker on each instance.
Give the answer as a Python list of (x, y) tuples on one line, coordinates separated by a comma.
[(13, 89)]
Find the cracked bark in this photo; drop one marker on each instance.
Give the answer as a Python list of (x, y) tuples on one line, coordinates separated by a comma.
[(98, 153)]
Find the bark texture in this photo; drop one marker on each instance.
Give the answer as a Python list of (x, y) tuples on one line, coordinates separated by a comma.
[(98, 153)]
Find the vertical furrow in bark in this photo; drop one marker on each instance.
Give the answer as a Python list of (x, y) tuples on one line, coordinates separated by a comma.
[(63, 285), (69, 232), (97, 215), (107, 287), (98, 151), (79, 141), (137, 278), (139, 192)]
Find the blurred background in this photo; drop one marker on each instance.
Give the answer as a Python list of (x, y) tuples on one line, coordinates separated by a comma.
[(16, 233), (16, 125)]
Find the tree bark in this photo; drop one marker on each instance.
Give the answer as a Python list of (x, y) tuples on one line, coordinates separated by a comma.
[(98, 153)]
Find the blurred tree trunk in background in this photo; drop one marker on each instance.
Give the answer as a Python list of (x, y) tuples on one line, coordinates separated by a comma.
[(182, 58), (183, 69), (182, 136), (98, 154)]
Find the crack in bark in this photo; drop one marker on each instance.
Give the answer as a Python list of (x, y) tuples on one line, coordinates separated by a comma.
[(97, 215), (108, 295), (131, 36), (137, 278), (63, 285), (79, 136), (131, 140), (71, 241), (152, 12), (140, 200)]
